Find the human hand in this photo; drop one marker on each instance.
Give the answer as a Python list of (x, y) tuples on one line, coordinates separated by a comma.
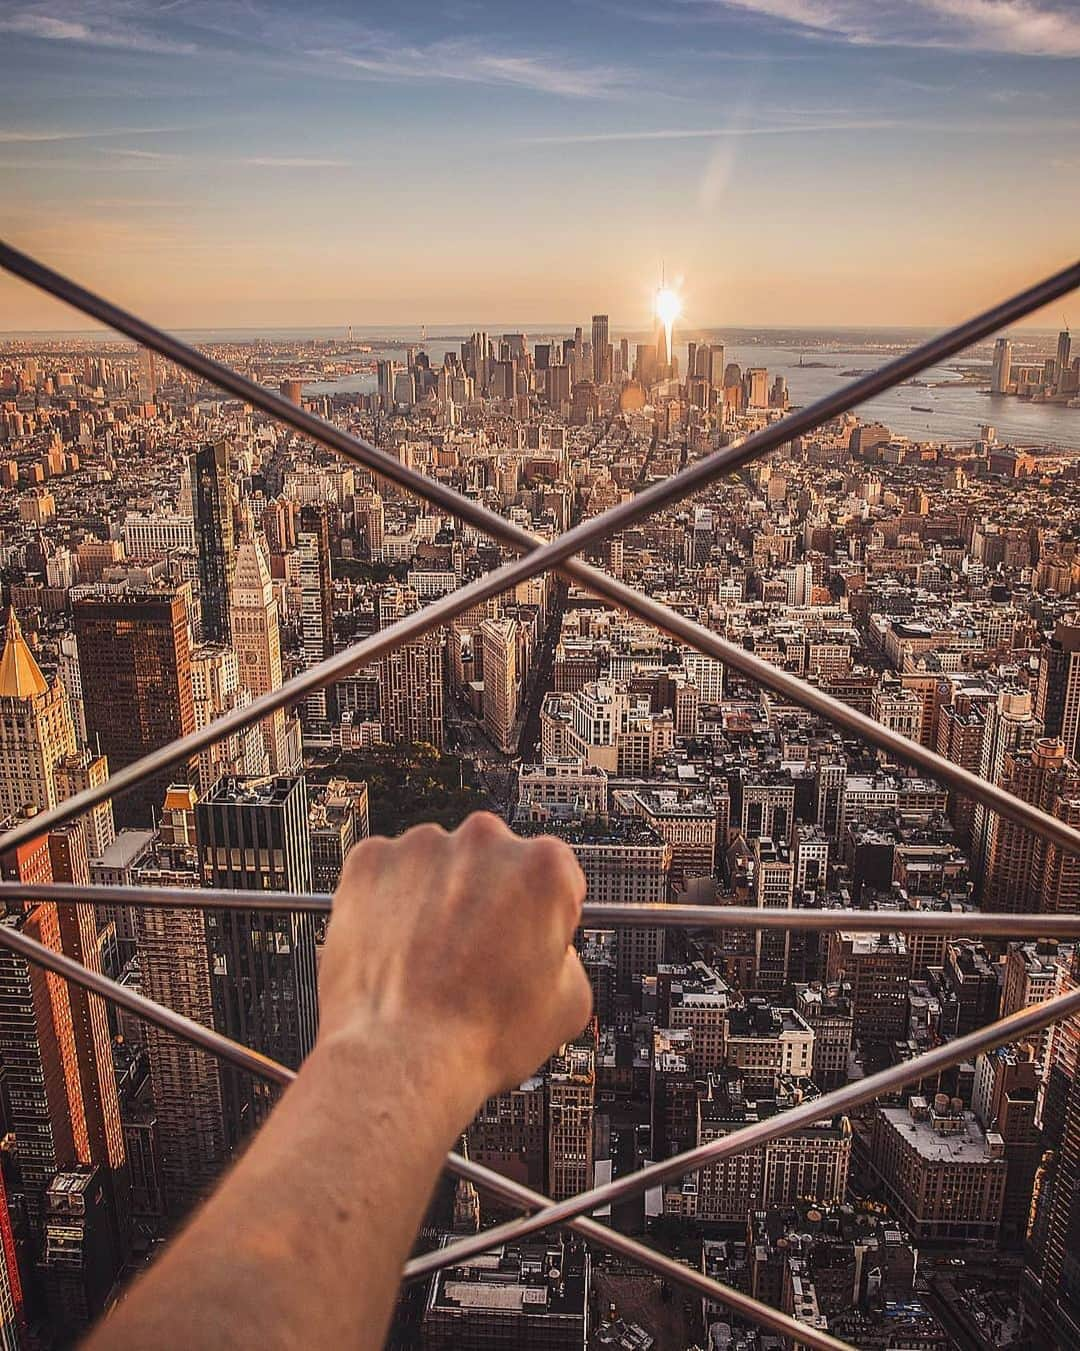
[(458, 947)]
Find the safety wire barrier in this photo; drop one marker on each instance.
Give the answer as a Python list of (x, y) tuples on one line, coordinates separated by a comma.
[(560, 554)]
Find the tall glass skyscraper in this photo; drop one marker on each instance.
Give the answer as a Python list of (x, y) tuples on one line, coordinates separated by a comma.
[(212, 503), (253, 834)]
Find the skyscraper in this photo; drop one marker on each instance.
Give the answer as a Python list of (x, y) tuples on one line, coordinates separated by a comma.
[(147, 375), (499, 639), (601, 350), (216, 689), (36, 731), (253, 834), (90, 1027), (411, 684), (11, 1296), (37, 1044), (1057, 696), (135, 665), (75, 774), (211, 498), (715, 368), (256, 638), (1051, 1288), (174, 969), (80, 1260), (371, 520), (412, 678), (1001, 371), (571, 1108), (1064, 353), (317, 618), (663, 348), (1011, 726)]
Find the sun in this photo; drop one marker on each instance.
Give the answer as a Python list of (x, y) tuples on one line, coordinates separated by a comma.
[(668, 306)]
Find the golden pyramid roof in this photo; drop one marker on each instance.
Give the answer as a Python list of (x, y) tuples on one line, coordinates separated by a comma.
[(20, 675)]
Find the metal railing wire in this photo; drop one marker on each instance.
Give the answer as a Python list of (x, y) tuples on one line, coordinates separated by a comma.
[(539, 557), (806, 1113), (244, 1058), (559, 553), (594, 914)]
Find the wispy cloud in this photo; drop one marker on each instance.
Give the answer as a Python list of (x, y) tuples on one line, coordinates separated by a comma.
[(1023, 27), (166, 157), (710, 133), (293, 162), (56, 23), (248, 32), (380, 57), (737, 129), (42, 137), (125, 152)]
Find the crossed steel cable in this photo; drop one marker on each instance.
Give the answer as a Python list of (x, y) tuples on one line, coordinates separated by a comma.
[(541, 557), (274, 1072), (572, 1212), (557, 554)]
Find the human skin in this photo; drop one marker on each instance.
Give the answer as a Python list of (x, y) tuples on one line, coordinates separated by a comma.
[(448, 975)]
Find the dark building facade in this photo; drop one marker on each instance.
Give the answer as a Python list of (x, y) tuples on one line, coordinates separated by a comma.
[(135, 667), (252, 834), (1051, 1286), (90, 1028), (79, 1262), (212, 504)]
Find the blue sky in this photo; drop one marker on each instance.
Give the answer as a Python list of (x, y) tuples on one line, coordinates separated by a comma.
[(791, 161)]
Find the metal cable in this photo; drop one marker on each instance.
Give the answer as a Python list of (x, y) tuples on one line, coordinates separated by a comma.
[(234, 1053), (830, 1104), (595, 914), (559, 552)]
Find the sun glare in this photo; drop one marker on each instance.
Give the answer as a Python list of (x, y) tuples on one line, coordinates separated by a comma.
[(668, 306)]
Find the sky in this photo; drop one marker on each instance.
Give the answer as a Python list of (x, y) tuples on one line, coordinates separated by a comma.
[(247, 163)]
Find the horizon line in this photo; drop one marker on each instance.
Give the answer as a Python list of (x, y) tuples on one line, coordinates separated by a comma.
[(541, 329)]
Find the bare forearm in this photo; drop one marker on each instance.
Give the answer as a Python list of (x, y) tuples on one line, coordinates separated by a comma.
[(303, 1242), (448, 974)]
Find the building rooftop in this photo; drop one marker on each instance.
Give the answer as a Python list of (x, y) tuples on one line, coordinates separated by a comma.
[(955, 1138), (763, 1020), (128, 847), (269, 791), (534, 1280), (20, 675)]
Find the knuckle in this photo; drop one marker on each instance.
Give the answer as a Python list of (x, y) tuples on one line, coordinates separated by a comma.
[(362, 858), (425, 834), (557, 860), (482, 827), (551, 853)]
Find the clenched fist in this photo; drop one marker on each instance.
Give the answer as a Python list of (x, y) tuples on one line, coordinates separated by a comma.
[(461, 944)]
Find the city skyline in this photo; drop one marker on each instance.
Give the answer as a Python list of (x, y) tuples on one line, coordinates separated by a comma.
[(794, 163)]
